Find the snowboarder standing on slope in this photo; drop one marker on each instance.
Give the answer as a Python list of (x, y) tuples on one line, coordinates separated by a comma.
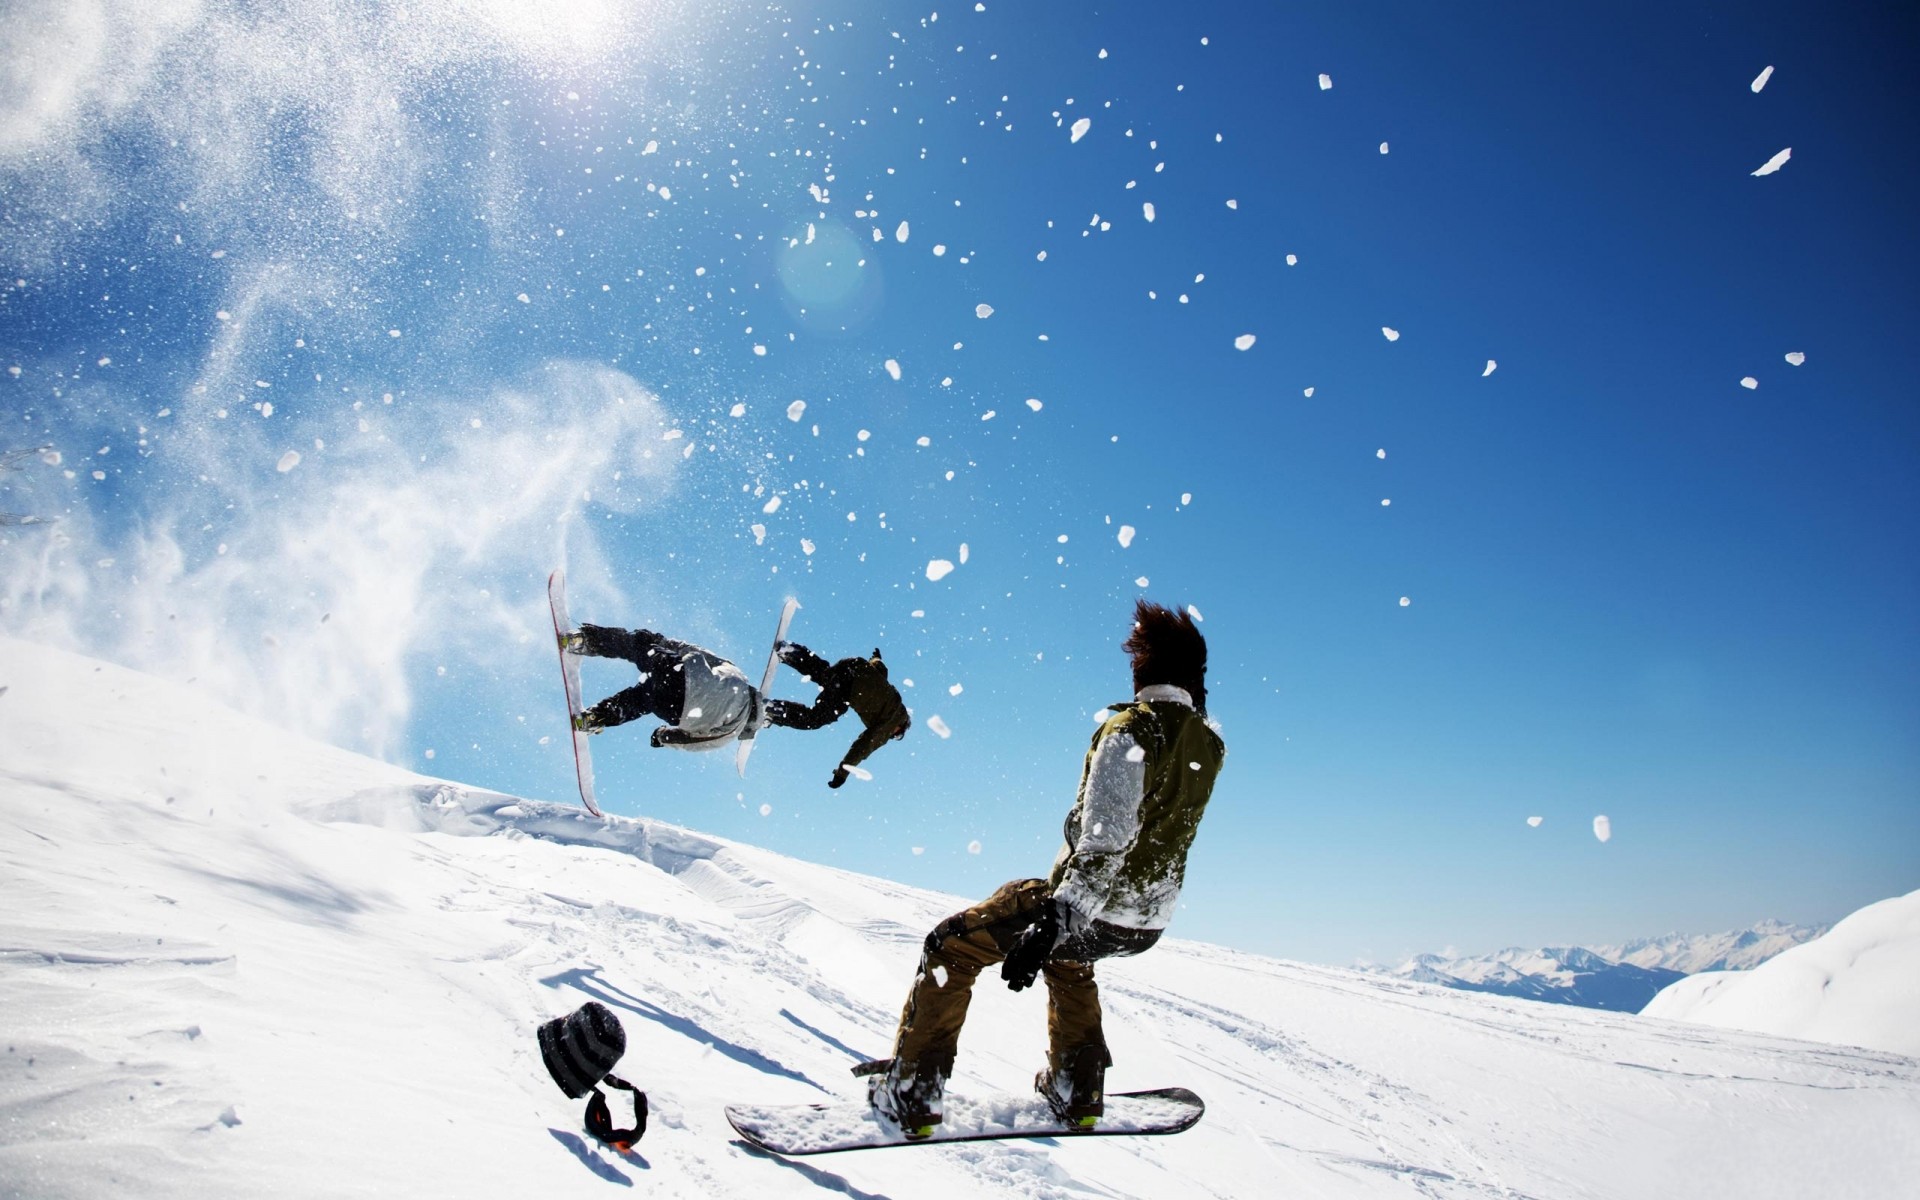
[(859, 683), (1112, 891)]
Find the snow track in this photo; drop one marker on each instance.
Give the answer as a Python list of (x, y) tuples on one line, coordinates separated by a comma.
[(238, 963)]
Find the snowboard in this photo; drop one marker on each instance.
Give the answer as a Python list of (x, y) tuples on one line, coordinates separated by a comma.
[(570, 676), (766, 684), (797, 1129)]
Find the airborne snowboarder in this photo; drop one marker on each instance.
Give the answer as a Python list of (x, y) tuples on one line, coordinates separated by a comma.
[(1143, 790), (705, 700), (857, 683), (708, 702)]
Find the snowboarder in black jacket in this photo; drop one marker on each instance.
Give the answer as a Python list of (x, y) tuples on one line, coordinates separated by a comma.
[(857, 683)]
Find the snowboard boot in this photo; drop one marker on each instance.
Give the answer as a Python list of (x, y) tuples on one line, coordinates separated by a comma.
[(585, 723), (573, 642), (906, 1096), (1075, 1088)]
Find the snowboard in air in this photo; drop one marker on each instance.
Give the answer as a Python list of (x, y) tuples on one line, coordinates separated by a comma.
[(797, 1129), (570, 676), (766, 685)]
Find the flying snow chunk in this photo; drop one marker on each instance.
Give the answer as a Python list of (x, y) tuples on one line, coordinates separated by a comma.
[(1140, 582), (1380, 453), (771, 506), (806, 546), (973, 847), (1492, 366), (900, 234), (1126, 536), (938, 726), (1749, 382), (759, 534), (796, 409), (1760, 80), (1796, 358), (963, 554), (893, 368), (938, 569), (983, 311), (1776, 162), (1293, 260), (860, 773), (1603, 828), (1308, 393), (1233, 204), (766, 810), (1036, 406), (956, 689), (1243, 342), (1081, 126), (1326, 81), (1146, 210), (1383, 147), (738, 410), (1404, 601), (1534, 821), (1392, 335), (1194, 613), (288, 461)]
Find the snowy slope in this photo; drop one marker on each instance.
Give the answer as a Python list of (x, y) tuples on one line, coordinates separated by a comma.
[(236, 963), (1859, 985)]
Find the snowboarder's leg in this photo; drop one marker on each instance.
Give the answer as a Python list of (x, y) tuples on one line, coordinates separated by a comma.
[(1074, 1081), (936, 1008), (957, 950)]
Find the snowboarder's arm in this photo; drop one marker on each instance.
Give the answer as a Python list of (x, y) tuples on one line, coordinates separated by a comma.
[(1109, 821), (830, 707), (804, 661)]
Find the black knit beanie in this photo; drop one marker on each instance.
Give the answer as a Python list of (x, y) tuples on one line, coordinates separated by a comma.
[(582, 1047)]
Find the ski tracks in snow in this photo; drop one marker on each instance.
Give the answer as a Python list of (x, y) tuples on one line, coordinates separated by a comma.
[(1408, 1130)]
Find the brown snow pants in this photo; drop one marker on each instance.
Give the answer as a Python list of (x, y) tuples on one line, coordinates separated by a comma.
[(980, 937)]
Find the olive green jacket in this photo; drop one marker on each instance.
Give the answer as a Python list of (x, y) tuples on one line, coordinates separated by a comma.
[(1143, 790)]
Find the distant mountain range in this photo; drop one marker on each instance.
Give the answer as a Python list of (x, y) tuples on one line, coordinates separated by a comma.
[(1619, 978)]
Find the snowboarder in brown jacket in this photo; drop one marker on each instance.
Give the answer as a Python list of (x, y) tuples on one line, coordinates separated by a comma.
[(1143, 789)]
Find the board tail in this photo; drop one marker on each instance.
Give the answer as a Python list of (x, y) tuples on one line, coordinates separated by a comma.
[(766, 685), (570, 678)]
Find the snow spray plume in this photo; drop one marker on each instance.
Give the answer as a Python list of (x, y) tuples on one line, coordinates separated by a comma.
[(1166, 647), (302, 589)]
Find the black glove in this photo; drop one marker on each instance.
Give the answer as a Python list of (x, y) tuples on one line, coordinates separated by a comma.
[(839, 777), (1031, 948)]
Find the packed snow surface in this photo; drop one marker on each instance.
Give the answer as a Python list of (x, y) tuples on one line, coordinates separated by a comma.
[(240, 963), (1856, 985)]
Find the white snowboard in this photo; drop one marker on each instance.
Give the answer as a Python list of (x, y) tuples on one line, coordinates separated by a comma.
[(795, 1129), (570, 676), (766, 684)]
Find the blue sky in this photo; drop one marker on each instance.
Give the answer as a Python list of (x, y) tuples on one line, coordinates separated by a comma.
[(501, 280)]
